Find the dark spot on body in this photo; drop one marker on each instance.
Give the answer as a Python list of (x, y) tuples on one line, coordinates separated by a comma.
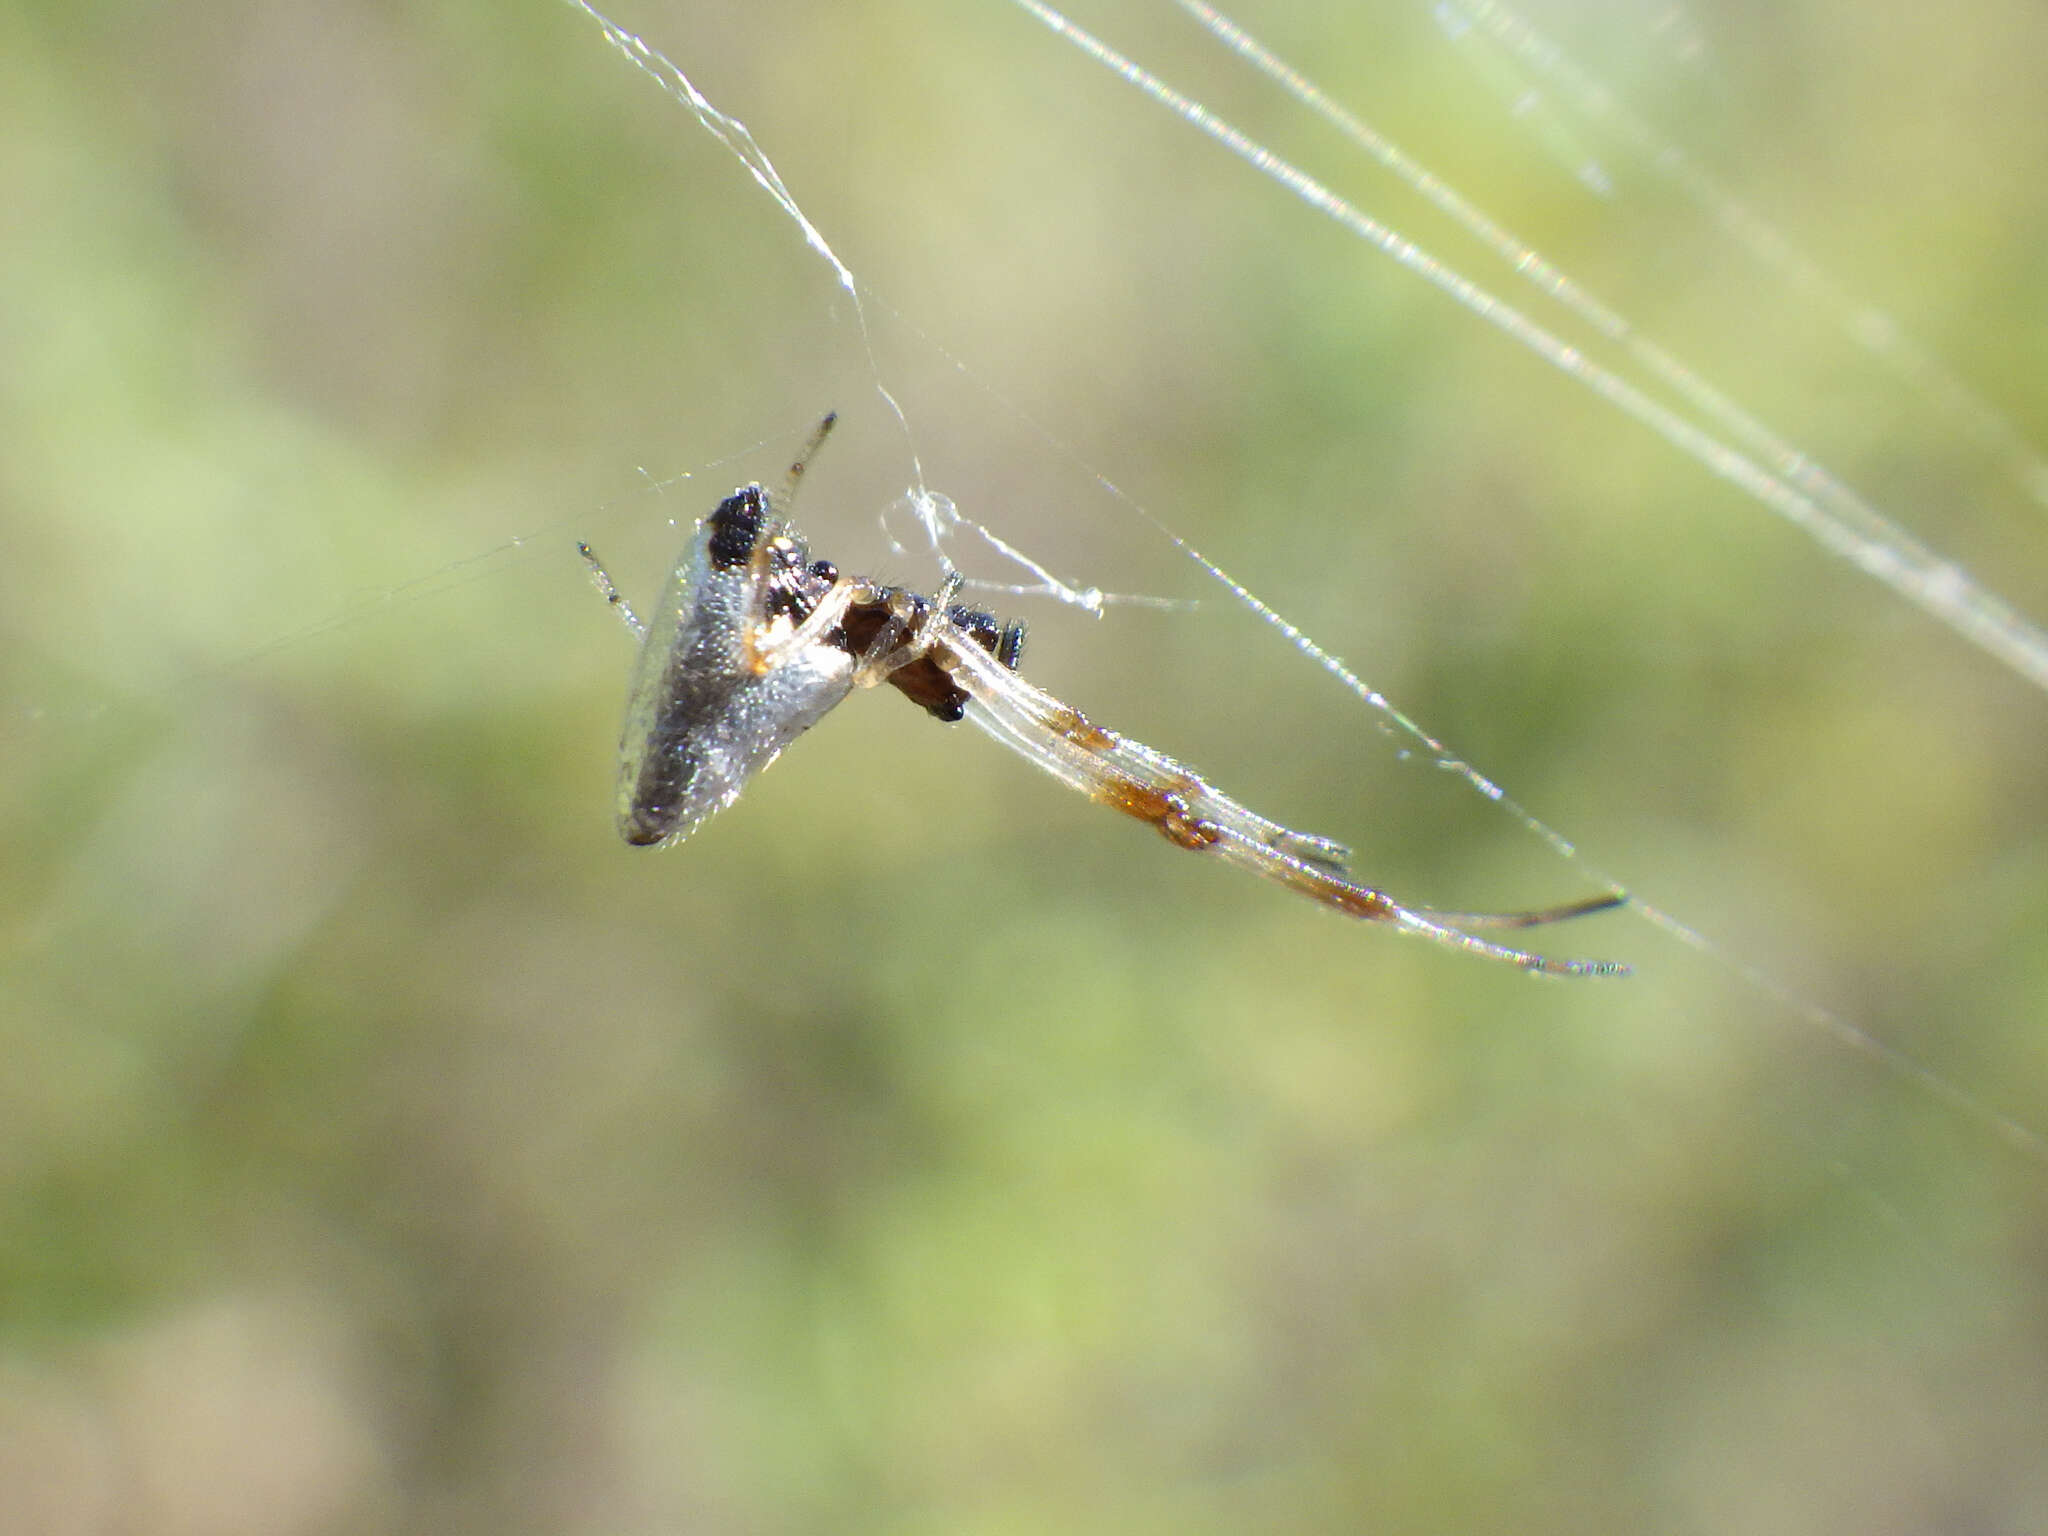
[(736, 527)]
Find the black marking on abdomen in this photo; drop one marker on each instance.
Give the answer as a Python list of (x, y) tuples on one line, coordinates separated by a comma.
[(736, 528)]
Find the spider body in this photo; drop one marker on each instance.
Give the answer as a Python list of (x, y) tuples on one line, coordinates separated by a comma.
[(755, 642), (732, 666), (923, 681), (701, 719)]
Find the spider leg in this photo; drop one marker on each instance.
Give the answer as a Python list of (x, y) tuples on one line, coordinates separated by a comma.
[(769, 652), (913, 630), (1377, 906), (803, 459), (900, 639), (1537, 919), (1310, 849), (602, 580), (1191, 813)]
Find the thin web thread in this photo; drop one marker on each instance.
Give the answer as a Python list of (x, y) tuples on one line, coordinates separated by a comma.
[(935, 513), (2015, 1135), (739, 142), (736, 138), (1529, 264), (1859, 534), (1867, 327), (1720, 459)]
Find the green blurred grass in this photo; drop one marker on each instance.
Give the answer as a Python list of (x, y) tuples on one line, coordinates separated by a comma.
[(384, 1147)]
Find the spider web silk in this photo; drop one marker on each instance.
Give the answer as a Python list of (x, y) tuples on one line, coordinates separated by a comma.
[(1709, 426), (822, 1176), (1765, 466)]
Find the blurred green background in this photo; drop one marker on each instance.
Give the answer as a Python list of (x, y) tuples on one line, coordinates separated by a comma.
[(385, 1147)]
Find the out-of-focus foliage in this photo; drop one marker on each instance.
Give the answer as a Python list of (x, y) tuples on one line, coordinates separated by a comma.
[(383, 1146)]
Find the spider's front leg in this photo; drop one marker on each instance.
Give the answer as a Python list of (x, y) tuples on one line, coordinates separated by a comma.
[(1193, 814)]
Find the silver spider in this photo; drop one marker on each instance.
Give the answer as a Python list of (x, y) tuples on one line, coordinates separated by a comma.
[(754, 642)]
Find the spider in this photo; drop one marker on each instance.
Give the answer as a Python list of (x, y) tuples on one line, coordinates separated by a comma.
[(754, 642)]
